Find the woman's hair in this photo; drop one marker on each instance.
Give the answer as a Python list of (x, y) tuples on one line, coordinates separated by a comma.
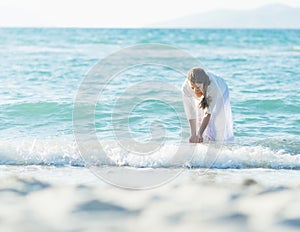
[(199, 76)]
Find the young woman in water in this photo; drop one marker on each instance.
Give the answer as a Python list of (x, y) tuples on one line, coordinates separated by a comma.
[(207, 107)]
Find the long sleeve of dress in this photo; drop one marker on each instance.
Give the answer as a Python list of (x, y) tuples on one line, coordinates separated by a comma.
[(189, 102)]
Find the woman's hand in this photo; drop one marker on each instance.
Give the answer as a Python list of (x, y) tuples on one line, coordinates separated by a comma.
[(200, 139), (195, 139)]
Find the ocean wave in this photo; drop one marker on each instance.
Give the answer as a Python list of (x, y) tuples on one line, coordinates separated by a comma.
[(168, 155), (296, 48), (36, 108), (39, 152)]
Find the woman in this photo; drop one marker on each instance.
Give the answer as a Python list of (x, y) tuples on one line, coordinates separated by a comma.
[(207, 107)]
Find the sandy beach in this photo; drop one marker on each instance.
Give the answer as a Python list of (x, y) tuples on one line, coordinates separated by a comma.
[(197, 200)]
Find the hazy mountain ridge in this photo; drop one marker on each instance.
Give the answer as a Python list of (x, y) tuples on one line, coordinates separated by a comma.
[(268, 16)]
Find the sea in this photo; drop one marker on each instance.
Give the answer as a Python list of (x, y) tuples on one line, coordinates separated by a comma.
[(137, 115)]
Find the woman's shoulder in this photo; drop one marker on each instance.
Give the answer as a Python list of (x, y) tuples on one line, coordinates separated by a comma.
[(218, 84), (213, 75)]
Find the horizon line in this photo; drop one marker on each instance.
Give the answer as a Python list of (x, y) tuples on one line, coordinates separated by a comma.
[(154, 28)]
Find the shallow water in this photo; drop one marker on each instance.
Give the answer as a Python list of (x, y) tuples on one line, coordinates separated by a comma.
[(42, 69)]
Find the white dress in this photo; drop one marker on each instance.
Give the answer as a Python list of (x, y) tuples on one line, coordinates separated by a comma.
[(220, 126)]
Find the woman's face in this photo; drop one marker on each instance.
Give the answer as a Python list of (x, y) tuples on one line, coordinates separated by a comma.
[(197, 88)]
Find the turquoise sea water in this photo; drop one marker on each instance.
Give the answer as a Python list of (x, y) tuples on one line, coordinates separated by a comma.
[(42, 69)]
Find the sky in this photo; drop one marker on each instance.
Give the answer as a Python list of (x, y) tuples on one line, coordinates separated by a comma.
[(112, 13)]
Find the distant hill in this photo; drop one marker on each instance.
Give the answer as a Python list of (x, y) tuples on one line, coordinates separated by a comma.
[(268, 16)]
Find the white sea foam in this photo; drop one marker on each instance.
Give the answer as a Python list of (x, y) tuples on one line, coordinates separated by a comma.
[(296, 48), (61, 153)]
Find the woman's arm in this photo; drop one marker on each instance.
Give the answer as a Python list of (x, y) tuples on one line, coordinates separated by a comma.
[(190, 111), (193, 138), (203, 126), (193, 126), (190, 107)]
